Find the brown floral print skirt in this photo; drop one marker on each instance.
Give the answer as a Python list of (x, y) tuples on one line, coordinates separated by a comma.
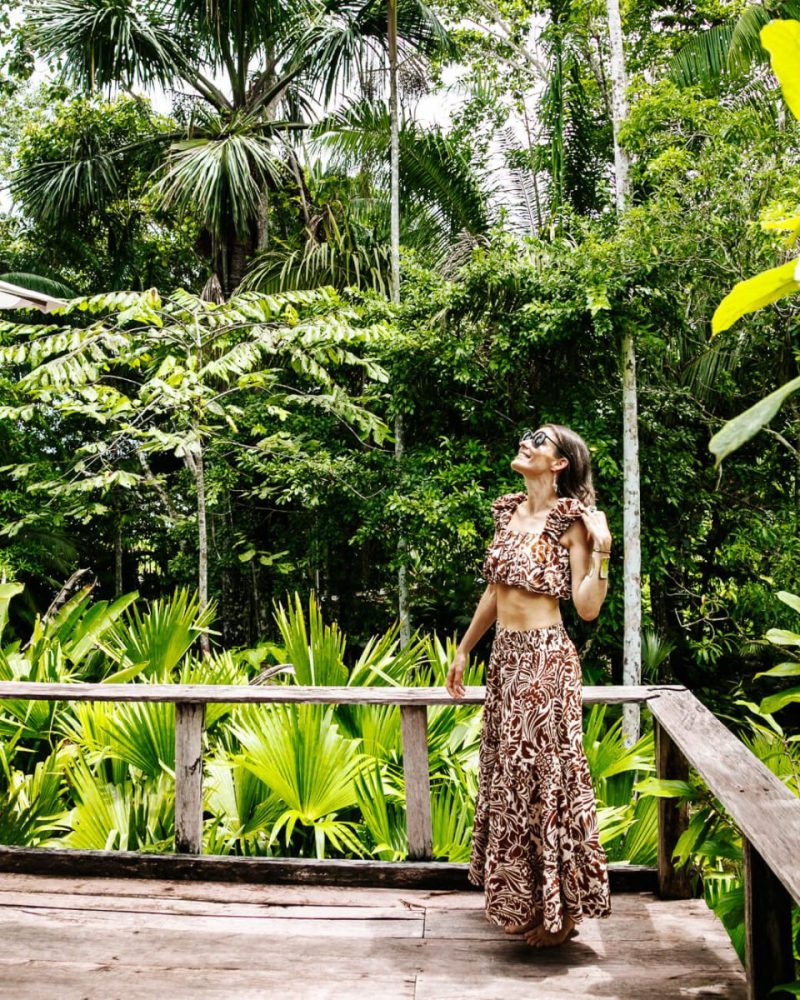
[(535, 842)]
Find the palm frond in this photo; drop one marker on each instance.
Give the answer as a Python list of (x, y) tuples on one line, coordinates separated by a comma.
[(154, 642), (349, 44), (55, 191), (732, 48), (316, 651), (219, 177), (106, 42), (434, 170), (704, 58), (338, 264), (120, 816), (299, 754), (37, 283)]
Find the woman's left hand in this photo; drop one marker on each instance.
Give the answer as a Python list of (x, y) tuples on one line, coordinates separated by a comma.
[(597, 526)]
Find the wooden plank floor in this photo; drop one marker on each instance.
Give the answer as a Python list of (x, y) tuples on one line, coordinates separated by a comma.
[(124, 939)]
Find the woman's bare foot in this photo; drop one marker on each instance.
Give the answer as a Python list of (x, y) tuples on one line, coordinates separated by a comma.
[(529, 925), (538, 937)]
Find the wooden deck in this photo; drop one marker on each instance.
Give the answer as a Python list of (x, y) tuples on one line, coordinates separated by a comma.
[(124, 939)]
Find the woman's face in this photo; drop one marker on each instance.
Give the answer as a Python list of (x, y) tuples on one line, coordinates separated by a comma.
[(532, 460)]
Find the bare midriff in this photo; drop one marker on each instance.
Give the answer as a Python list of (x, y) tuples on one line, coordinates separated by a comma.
[(521, 610)]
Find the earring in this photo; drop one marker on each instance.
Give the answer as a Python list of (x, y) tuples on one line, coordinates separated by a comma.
[(555, 483)]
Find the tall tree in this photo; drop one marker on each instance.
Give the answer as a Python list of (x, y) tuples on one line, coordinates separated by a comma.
[(632, 583), (170, 376), (246, 74)]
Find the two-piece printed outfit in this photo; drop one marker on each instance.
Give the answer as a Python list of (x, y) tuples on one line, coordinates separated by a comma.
[(535, 840)]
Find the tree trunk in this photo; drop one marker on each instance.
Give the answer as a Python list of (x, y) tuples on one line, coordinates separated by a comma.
[(619, 102), (195, 463), (399, 447), (118, 556), (632, 578), (632, 572), (239, 252)]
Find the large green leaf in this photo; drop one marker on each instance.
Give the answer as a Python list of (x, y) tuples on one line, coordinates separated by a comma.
[(782, 40), (124, 816), (735, 432), (755, 293), (774, 702), (299, 754), (158, 638), (7, 592), (315, 651), (106, 42)]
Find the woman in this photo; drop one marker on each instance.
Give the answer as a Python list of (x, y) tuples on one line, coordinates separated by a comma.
[(535, 842)]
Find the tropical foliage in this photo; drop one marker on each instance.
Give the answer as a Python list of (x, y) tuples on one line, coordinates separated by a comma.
[(304, 780)]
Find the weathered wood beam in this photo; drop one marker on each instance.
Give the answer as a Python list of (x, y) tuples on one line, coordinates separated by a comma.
[(673, 817), (267, 871), (414, 724), (768, 927), (757, 801), (237, 694), (189, 777)]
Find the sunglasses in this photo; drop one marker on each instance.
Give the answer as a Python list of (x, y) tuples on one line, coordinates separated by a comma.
[(538, 438)]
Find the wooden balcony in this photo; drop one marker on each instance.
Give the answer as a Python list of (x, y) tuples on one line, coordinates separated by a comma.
[(102, 925)]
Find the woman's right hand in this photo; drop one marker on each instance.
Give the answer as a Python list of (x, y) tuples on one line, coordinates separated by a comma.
[(455, 676)]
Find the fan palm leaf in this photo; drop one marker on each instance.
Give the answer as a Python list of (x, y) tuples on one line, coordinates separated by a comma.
[(299, 754), (32, 804), (142, 735), (640, 846), (383, 810), (609, 758), (316, 651), (153, 642), (220, 176), (123, 816), (101, 43), (241, 805), (452, 817)]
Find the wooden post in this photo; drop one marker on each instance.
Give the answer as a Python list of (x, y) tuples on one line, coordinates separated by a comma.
[(414, 722), (768, 927), (189, 718), (673, 818)]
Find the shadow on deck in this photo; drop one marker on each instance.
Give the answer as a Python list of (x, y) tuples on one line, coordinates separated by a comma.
[(120, 939)]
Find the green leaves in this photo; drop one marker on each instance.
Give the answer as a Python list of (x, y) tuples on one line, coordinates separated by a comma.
[(168, 374), (222, 177), (298, 753), (106, 42), (735, 432), (782, 40), (755, 293)]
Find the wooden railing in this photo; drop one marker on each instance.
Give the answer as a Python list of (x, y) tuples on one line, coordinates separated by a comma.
[(687, 734)]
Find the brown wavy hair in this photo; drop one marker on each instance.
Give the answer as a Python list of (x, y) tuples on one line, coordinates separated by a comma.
[(576, 479)]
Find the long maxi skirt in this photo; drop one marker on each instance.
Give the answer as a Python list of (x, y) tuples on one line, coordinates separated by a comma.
[(535, 842)]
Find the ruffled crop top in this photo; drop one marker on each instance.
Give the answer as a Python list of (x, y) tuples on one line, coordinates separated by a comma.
[(533, 561)]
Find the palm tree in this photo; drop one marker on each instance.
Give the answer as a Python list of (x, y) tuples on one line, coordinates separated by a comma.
[(345, 241), (244, 74), (731, 48)]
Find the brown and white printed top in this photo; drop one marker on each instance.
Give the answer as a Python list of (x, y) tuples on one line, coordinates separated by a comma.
[(534, 561)]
